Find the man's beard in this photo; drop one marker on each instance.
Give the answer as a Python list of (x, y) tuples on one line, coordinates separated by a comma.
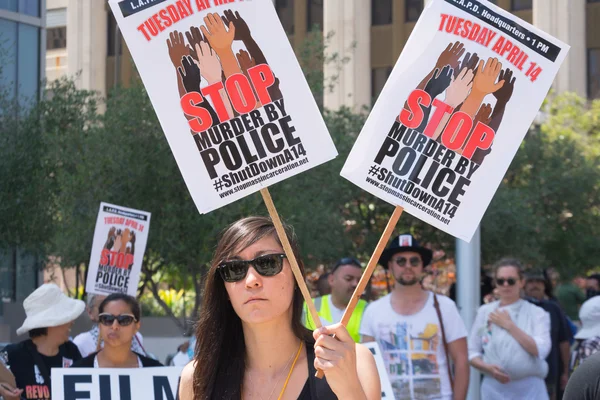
[(408, 282)]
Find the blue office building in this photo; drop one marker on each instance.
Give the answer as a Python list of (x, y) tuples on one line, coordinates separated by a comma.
[(22, 65)]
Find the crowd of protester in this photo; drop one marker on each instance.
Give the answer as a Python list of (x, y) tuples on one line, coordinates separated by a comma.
[(529, 340)]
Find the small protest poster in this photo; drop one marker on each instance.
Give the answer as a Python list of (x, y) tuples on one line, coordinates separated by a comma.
[(453, 113), (159, 383), (228, 91), (117, 250), (386, 387)]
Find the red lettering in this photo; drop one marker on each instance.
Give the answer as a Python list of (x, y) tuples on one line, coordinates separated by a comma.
[(202, 119), (240, 93), (467, 28), (456, 132), (507, 46), (128, 260), (262, 77), (165, 15), (158, 22), (142, 29), (413, 117), (29, 392), (173, 13), (444, 18), (104, 257), (441, 109), (482, 138), (213, 91), (46, 392)]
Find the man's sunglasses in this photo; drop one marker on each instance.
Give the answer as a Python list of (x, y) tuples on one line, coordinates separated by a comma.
[(266, 265), (414, 261), (510, 281), (122, 320)]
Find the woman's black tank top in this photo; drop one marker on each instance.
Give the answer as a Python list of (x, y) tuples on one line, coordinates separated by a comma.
[(315, 388)]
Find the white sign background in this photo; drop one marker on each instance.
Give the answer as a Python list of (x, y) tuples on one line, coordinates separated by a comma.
[(426, 43), (161, 81), (111, 221)]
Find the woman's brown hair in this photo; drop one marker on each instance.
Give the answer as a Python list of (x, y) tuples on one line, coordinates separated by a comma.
[(220, 353)]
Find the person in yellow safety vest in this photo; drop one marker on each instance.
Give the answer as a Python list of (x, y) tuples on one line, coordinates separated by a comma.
[(343, 279)]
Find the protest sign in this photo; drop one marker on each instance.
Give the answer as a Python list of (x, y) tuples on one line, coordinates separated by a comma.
[(228, 91), (117, 250), (159, 383), (384, 378), (459, 101)]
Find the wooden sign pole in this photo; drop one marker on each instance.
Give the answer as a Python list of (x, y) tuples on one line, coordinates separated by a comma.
[(290, 256), (364, 280)]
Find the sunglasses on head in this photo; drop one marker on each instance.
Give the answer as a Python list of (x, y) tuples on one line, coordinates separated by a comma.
[(265, 265), (414, 261), (122, 320), (510, 281)]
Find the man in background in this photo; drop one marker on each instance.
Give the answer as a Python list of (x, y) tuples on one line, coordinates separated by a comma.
[(342, 279), (560, 334)]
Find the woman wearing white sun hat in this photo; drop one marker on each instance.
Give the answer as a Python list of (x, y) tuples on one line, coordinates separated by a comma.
[(50, 315), (588, 337)]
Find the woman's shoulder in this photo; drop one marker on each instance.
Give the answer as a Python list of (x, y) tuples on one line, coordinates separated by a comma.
[(186, 384), (486, 308), (149, 362)]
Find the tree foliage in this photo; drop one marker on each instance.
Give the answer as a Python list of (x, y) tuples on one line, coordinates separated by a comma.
[(60, 158)]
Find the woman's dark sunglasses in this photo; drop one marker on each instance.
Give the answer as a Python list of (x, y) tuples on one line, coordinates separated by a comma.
[(122, 320), (266, 265), (510, 281)]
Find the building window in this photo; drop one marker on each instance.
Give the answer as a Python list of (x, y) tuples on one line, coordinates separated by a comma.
[(413, 10), (594, 73), (10, 5), (517, 5), (30, 7), (381, 12), (314, 15), (56, 38), (285, 11), (112, 32), (378, 78)]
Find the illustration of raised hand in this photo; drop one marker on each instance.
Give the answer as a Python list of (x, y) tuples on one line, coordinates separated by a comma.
[(436, 85), (459, 88), (504, 94), (190, 75), (242, 31), (177, 48), (485, 78), (194, 37), (484, 115), (245, 61), (439, 81), (456, 93), (219, 37), (469, 61), (451, 56), (208, 62)]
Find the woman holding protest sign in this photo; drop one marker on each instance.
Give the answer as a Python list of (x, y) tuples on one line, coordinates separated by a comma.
[(250, 339), (119, 321)]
